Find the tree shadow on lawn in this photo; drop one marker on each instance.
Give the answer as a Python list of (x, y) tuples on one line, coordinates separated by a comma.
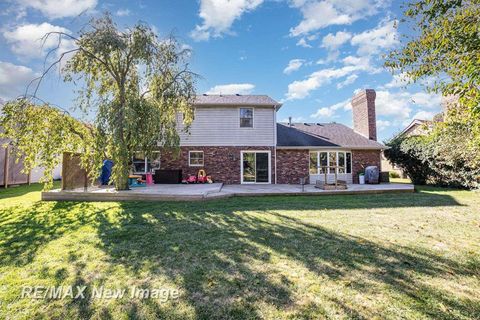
[(213, 252), (23, 230)]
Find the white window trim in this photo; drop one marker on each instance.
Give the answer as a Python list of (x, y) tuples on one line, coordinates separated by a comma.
[(328, 161), (269, 166), (146, 163), (196, 165), (240, 117)]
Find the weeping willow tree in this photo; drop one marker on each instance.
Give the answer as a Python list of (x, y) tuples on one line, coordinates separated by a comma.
[(40, 133), (133, 82)]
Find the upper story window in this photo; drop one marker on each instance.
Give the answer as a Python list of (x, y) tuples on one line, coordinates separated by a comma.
[(246, 117)]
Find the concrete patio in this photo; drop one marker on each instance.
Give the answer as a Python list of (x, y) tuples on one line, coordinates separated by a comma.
[(192, 192)]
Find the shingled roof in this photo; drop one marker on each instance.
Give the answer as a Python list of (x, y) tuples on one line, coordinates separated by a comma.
[(236, 100), (333, 135)]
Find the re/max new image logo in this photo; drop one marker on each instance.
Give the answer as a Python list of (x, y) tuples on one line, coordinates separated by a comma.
[(100, 292)]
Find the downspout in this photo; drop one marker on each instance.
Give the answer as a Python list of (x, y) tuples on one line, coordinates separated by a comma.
[(275, 139)]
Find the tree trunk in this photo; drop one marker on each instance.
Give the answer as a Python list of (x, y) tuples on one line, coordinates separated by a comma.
[(121, 167)]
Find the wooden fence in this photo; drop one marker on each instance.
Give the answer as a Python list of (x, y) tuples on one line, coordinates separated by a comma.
[(11, 168), (73, 175)]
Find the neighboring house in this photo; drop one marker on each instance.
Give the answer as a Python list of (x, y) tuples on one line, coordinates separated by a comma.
[(236, 139), (417, 127)]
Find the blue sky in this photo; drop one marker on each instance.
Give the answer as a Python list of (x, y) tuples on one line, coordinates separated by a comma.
[(310, 54)]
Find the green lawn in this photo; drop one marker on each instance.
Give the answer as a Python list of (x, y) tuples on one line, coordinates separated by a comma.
[(408, 256)]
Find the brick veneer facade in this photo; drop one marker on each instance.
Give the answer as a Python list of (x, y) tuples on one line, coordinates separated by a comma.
[(363, 111), (222, 163), (292, 165), (362, 159)]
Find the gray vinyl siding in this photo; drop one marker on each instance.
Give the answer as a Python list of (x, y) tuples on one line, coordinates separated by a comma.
[(220, 126)]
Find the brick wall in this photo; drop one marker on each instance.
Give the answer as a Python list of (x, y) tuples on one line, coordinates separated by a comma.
[(362, 159), (292, 165), (222, 163), (363, 111)]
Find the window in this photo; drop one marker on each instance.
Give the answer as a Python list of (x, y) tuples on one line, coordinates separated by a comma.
[(332, 161), (154, 162), (341, 162), (246, 117), (142, 164), (319, 160), (323, 161), (139, 162), (195, 158), (313, 162), (349, 162)]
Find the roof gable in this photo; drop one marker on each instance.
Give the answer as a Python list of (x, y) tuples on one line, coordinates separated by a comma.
[(236, 100)]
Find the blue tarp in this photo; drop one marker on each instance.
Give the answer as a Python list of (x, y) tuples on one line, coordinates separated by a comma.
[(106, 171)]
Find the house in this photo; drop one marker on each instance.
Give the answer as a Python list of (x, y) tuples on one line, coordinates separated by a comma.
[(415, 128), (418, 127), (236, 139)]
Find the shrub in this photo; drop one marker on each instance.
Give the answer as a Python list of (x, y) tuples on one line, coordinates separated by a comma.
[(449, 155), (404, 152), (394, 174)]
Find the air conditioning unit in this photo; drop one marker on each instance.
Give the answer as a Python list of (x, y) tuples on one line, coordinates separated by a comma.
[(372, 175)]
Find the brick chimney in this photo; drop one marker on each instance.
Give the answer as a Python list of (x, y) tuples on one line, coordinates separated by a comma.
[(363, 110)]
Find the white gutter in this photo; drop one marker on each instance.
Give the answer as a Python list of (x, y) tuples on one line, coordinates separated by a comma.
[(275, 141), (330, 148)]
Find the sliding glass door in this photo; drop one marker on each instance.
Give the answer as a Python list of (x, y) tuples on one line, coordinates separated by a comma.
[(255, 167)]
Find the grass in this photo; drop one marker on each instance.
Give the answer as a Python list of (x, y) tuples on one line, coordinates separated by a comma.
[(389, 256), (400, 180)]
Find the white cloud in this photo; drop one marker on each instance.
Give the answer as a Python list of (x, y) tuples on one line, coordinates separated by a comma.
[(400, 105), (301, 88), (293, 65), (122, 12), (54, 9), (398, 80), (233, 88), (219, 15), (423, 115), (362, 63), (320, 14), (303, 43), (375, 40), (350, 79), (393, 104), (26, 40), (334, 41), (323, 113), (369, 43), (427, 100), (383, 124), (14, 79), (328, 112)]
